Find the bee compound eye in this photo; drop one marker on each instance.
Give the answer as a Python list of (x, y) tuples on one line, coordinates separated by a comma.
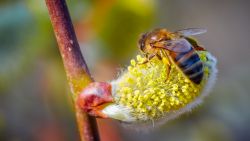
[(142, 45)]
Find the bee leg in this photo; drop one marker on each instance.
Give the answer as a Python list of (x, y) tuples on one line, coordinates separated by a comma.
[(169, 68), (168, 63), (168, 72), (159, 57), (151, 57), (148, 58), (144, 62)]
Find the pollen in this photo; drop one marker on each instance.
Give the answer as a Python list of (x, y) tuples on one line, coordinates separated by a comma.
[(154, 89)]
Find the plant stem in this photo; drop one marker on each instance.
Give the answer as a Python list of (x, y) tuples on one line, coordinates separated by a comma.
[(76, 69)]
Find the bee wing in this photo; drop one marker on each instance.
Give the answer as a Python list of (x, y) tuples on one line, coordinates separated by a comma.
[(191, 31), (179, 45)]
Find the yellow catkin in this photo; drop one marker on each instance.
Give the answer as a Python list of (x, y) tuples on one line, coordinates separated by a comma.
[(150, 93)]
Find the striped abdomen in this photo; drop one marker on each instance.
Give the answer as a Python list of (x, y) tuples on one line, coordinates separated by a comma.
[(191, 65)]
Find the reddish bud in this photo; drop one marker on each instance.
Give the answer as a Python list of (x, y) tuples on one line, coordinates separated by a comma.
[(94, 97)]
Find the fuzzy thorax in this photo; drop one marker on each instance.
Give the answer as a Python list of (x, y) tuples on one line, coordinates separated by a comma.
[(152, 90)]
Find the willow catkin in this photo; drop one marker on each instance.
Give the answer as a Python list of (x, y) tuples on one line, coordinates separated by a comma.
[(154, 91)]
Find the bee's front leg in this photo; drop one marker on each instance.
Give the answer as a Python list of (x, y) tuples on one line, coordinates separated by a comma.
[(159, 57), (148, 58)]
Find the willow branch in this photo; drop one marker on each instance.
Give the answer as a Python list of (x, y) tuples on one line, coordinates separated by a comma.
[(76, 69)]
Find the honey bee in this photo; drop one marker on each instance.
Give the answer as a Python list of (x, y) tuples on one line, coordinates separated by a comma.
[(178, 47)]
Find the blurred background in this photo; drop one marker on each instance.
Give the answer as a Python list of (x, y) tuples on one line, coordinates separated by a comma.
[(35, 102)]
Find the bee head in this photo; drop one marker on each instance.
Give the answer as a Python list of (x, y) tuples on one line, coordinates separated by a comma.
[(149, 39)]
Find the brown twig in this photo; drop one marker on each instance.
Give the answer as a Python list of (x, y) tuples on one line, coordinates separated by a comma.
[(76, 69)]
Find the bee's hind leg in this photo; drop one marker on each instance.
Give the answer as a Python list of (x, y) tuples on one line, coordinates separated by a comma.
[(168, 63)]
